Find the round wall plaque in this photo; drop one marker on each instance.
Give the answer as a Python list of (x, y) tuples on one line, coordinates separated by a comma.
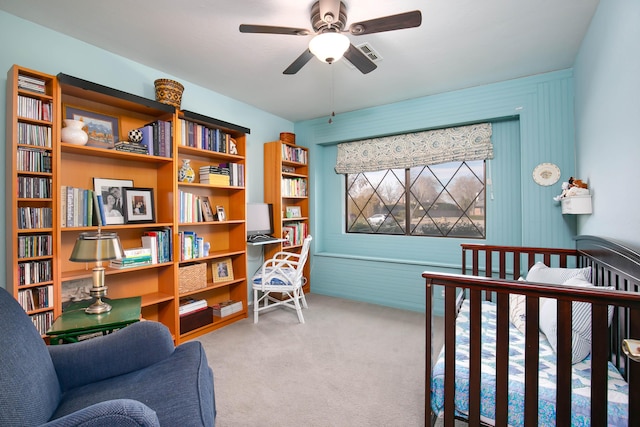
[(546, 174)]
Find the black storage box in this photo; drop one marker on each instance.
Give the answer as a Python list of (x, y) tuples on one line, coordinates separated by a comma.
[(195, 320)]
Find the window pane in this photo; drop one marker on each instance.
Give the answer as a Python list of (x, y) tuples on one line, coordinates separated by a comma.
[(443, 200)]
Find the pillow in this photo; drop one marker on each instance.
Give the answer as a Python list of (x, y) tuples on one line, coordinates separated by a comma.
[(517, 309), (580, 322), (540, 273)]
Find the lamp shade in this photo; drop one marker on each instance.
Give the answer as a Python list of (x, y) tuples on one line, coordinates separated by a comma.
[(329, 47), (98, 246)]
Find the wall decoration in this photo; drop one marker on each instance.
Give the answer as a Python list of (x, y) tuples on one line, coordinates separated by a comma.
[(546, 174), (102, 129)]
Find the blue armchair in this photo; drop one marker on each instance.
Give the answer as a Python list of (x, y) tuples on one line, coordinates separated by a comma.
[(133, 377)]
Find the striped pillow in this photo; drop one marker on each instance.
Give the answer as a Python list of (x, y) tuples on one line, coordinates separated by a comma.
[(580, 322)]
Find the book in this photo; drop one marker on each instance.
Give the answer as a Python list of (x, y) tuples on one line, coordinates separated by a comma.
[(150, 242), (226, 308), (189, 305)]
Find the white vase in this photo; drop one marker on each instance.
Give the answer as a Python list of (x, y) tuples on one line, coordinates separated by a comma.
[(73, 133)]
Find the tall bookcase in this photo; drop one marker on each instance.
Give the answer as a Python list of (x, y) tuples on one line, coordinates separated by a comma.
[(76, 166), (286, 187), (32, 243)]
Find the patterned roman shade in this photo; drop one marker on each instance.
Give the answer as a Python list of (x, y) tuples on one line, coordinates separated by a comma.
[(431, 147)]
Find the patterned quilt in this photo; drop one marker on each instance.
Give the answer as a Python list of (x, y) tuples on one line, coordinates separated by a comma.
[(580, 412)]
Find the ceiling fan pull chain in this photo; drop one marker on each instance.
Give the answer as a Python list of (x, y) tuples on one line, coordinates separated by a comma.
[(331, 91)]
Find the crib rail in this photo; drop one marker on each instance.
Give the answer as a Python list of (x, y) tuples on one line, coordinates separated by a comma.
[(491, 267)]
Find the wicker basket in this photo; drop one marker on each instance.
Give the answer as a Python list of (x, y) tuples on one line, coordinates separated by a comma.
[(288, 137), (192, 277), (169, 92)]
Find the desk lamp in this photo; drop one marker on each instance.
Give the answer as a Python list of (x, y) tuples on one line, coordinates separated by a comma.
[(98, 247)]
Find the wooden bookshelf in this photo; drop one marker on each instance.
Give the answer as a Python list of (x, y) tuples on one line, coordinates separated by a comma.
[(78, 166), (286, 185), (31, 183)]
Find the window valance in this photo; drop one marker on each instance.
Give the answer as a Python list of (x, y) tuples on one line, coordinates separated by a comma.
[(431, 147)]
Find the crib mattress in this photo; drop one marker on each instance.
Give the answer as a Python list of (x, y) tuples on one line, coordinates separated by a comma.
[(581, 374)]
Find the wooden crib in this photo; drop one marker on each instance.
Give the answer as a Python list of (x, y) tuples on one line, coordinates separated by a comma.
[(494, 271)]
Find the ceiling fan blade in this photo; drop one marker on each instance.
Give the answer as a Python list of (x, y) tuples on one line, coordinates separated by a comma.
[(359, 60), (387, 23), (268, 29), (299, 62)]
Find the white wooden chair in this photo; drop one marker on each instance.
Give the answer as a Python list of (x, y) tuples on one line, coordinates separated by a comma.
[(281, 274)]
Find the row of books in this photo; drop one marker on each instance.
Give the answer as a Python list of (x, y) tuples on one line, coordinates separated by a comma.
[(34, 187), (294, 187), (33, 272), (36, 135), (77, 207), (33, 160), (35, 245), (157, 138), (160, 242), (191, 246), (295, 233), (35, 298), (30, 83), (194, 208), (294, 154), (198, 136), (42, 321), (215, 175), (30, 217), (32, 108)]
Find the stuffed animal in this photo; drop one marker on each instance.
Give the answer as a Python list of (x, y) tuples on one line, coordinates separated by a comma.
[(575, 187)]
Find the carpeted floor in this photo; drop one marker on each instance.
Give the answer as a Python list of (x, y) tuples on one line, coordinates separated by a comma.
[(351, 364)]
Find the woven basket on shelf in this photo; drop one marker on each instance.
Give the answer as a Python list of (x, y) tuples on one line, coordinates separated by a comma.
[(169, 92), (288, 137), (192, 277)]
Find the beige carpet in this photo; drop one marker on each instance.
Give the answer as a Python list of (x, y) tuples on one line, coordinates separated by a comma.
[(351, 364)]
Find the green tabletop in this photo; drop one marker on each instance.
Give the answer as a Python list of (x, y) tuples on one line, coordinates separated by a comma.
[(75, 322)]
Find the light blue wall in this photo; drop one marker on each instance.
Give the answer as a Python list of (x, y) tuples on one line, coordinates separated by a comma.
[(386, 269), (38, 48), (607, 82)]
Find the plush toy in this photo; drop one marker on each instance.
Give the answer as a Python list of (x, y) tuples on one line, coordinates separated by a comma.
[(575, 187)]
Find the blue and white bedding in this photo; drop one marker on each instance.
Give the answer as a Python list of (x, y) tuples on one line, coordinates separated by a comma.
[(580, 412)]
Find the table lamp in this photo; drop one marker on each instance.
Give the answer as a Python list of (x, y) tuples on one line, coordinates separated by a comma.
[(98, 247)]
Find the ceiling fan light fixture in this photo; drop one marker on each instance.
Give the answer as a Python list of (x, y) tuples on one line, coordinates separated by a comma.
[(329, 47)]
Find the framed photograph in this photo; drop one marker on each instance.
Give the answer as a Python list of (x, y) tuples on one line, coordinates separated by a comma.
[(222, 270), (102, 129), (293, 212), (111, 202), (221, 216), (138, 205), (207, 210)]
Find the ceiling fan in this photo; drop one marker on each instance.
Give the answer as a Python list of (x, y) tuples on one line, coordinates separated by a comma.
[(328, 19)]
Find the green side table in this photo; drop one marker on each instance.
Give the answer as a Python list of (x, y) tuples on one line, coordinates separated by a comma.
[(74, 322)]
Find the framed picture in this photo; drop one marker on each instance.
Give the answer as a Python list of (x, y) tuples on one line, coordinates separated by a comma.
[(207, 210), (293, 212), (138, 205), (222, 270), (220, 213), (102, 129), (111, 203)]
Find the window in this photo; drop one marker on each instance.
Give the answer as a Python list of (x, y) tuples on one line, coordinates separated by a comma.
[(442, 200)]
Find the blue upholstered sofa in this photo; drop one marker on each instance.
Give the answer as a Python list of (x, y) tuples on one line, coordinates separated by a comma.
[(133, 377)]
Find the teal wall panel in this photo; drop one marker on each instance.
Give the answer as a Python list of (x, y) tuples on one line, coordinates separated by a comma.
[(533, 123)]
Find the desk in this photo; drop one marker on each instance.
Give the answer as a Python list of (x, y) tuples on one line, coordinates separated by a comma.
[(74, 322)]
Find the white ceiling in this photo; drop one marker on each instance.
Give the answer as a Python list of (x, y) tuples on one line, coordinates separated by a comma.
[(461, 43)]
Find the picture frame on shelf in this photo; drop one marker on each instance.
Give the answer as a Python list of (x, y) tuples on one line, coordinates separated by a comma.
[(222, 270), (103, 130), (138, 203), (110, 198), (220, 214), (207, 209), (293, 212)]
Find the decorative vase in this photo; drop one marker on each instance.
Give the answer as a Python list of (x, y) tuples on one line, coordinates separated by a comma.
[(73, 133), (186, 173)]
